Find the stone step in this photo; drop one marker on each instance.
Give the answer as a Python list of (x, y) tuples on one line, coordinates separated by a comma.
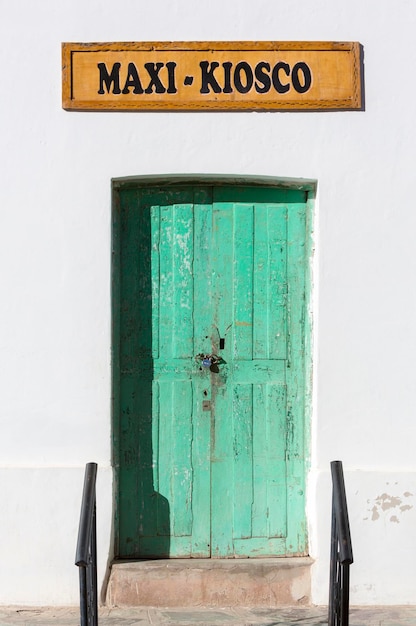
[(268, 583)]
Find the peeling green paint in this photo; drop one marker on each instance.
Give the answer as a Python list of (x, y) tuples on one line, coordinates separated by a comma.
[(211, 270)]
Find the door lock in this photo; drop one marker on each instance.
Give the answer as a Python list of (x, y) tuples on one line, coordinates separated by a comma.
[(210, 361)]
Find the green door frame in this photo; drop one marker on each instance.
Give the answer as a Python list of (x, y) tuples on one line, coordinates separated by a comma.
[(309, 188)]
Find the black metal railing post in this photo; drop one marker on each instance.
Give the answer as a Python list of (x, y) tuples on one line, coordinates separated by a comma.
[(341, 551), (86, 553)]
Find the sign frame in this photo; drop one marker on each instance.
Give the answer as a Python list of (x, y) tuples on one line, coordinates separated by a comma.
[(341, 89)]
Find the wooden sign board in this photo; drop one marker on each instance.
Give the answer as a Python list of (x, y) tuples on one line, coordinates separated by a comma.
[(212, 75)]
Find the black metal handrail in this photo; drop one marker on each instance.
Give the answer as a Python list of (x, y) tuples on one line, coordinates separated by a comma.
[(341, 552), (86, 553)]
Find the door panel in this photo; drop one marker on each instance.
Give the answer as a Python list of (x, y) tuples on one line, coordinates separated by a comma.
[(254, 522), (180, 462), (211, 463)]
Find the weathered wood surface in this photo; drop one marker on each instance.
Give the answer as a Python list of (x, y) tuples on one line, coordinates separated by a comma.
[(197, 266)]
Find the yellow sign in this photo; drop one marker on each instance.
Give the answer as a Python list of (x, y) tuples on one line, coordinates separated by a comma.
[(211, 75)]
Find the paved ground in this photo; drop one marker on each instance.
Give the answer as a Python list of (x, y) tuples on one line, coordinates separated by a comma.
[(315, 616)]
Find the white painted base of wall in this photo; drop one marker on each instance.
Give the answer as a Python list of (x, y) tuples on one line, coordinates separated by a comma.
[(42, 507), (382, 516)]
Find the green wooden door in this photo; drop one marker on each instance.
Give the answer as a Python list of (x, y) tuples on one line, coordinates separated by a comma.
[(210, 463)]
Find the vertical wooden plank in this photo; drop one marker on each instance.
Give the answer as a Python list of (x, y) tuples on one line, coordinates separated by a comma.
[(222, 272), (296, 540), (166, 438), (176, 342), (161, 525), (243, 281), (128, 501), (155, 433), (115, 358), (201, 449), (260, 461), (222, 475), (201, 466), (261, 283), (145, 491), (166, 281), (181, 459), (242, 420), (202, 270), (155, 270), (277, 271), (182, 260), (135, 475), (276, 480), (222, 471)]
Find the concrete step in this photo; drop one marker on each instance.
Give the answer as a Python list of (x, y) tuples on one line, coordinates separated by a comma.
[(268, 583)]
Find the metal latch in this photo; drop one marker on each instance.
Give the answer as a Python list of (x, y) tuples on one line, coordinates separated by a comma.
[(210, 361)]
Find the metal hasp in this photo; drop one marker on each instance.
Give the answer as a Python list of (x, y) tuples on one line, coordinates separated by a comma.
[(210, 361), (341, 551), (86, 553)]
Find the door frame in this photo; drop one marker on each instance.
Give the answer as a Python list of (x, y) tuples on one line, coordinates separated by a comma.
[(309, 187)]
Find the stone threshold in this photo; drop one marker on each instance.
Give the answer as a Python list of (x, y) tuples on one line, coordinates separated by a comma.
[(262, 582)]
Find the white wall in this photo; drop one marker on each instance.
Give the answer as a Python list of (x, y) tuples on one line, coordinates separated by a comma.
[(55, 280)]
